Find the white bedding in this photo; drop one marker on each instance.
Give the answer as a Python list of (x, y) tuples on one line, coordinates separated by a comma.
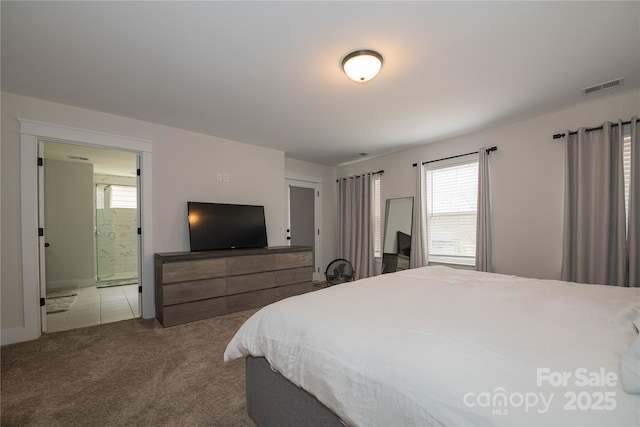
[(440, 346)]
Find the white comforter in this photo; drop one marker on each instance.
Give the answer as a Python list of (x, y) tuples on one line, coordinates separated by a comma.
[(439, 346)]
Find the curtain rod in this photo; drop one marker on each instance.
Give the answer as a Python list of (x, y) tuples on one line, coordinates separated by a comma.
[(488, 150), (381, 172), (562, 135)]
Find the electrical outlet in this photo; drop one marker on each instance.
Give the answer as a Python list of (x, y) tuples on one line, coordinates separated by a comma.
[(225, 177), (219, 176)]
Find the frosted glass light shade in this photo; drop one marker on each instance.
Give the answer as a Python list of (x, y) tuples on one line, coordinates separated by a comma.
[(362, 65)]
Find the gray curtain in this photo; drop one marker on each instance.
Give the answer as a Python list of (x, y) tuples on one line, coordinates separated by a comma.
[(355, 225), (634, 207), (418, 256), (594, 243), (483, 219)]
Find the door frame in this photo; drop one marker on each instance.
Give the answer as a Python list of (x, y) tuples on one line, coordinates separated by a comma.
[(296, 180), (31, 132)]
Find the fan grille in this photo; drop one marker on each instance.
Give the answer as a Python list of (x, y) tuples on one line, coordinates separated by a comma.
[(339, 271)]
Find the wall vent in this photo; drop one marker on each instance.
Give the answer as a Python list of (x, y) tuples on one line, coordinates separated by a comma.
[(77, 158), (603, 86)]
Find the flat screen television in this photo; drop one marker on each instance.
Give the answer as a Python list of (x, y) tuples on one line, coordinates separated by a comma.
[(214, 226)]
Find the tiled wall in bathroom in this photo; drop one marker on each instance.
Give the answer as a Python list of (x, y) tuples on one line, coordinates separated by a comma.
[(118, 242)]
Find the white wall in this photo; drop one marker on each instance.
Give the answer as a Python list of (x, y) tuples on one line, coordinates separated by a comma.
[(68, 212), (185, 166), (527, 179)]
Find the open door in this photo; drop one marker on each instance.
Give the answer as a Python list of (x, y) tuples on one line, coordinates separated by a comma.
[(139, 212), (303, 219), (41, 239)]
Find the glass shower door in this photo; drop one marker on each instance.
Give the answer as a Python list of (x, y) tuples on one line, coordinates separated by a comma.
[(105, 233)]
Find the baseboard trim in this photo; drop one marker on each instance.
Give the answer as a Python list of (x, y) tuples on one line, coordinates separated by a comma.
[(16, 335), (57, 284)]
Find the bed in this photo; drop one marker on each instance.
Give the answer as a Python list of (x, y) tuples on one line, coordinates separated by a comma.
[(440, 346)]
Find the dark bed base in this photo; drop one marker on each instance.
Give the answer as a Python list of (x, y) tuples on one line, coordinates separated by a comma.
[(274, 401)]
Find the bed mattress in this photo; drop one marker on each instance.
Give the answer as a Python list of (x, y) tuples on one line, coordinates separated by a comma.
[(440, 346)]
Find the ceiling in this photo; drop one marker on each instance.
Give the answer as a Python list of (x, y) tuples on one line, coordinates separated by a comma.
[(108, 162), (268, 73)]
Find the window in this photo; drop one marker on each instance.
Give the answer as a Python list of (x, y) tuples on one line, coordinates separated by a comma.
[(377, 245), (452, 199), (626, 153), (123, 197), (119, 196)]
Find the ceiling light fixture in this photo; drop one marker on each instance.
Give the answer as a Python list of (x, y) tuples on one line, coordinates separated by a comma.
[(362, 65)]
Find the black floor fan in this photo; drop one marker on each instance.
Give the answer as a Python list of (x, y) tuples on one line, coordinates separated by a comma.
[(339, 271)]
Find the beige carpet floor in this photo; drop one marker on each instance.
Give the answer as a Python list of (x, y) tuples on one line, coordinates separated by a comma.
[(129, 373)]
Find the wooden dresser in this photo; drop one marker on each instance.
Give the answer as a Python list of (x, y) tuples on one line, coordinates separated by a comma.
[(196, 285)]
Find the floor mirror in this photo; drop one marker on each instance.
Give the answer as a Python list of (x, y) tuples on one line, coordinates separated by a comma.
[(397, 234)]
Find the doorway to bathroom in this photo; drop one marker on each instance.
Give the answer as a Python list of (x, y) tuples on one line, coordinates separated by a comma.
[(91, 216)]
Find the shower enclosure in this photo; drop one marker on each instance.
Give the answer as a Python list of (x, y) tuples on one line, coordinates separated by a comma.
[(116, 235)]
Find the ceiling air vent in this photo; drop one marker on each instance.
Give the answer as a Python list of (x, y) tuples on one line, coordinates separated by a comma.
[(603, 86)]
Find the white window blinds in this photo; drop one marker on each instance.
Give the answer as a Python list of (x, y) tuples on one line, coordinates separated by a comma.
[(123, 197), (377, 221), (626, 154), (452, 198)]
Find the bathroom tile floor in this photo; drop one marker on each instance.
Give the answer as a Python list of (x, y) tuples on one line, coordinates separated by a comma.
[(95, 306)]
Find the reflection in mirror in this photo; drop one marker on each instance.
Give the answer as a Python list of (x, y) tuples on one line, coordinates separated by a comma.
[(397, 234)]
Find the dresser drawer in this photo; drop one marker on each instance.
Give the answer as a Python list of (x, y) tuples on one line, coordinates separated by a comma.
[(184, 271), (249, 282), (176, 293), (192, 311), (249, 264)]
